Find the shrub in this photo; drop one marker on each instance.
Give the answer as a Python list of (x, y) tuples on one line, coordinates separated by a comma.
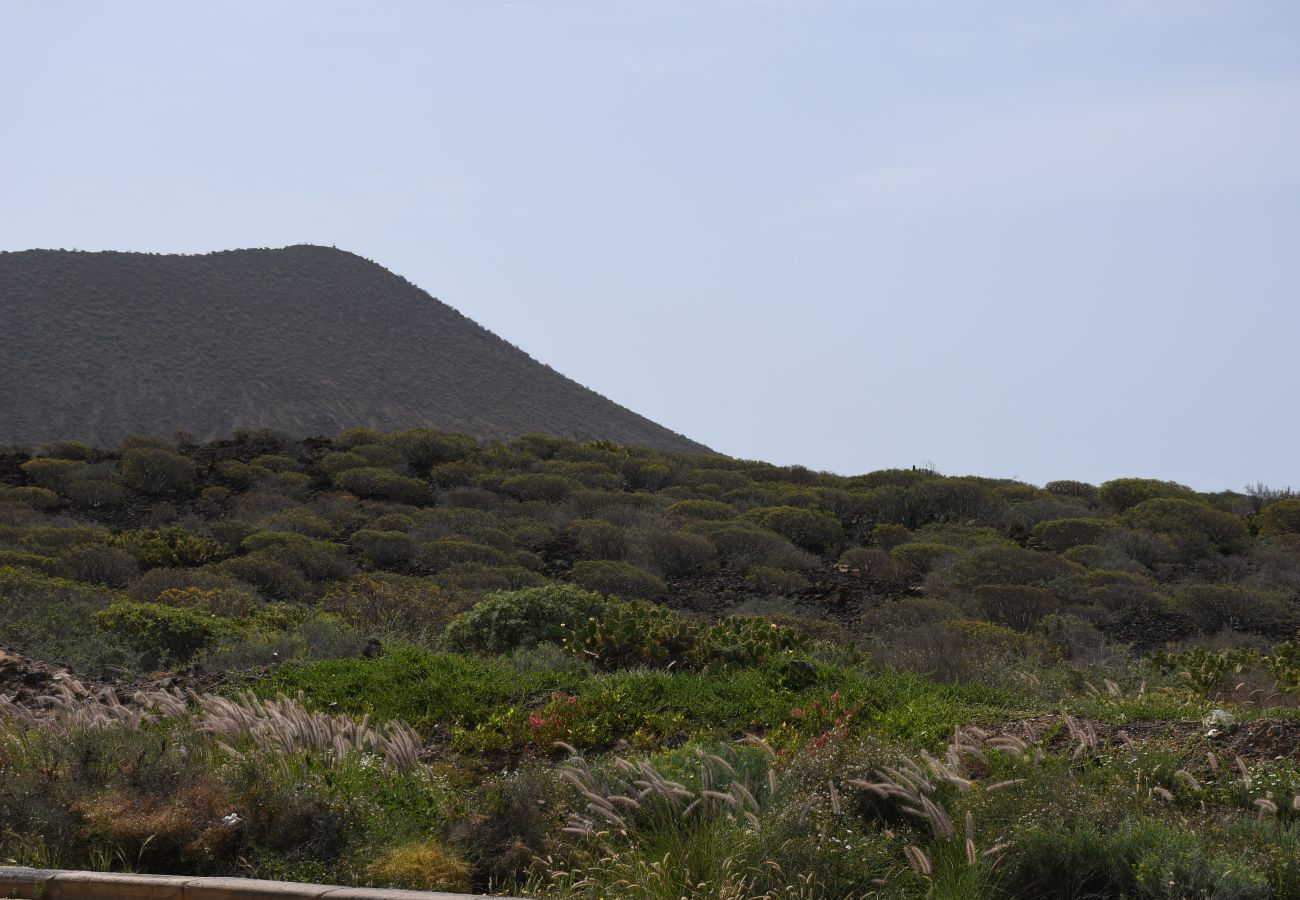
[(743, 544), (153, 547), (872, 563), (482, 577), (393, 604), (422, 449), (36, 498), (766, 580), (810, 529), (88, 494), (1282, 517), (599, 539), (54, 538), (153, 470), (423, 865), (1006, 565), (635, 634), (1195, 527), (1216, 607), (230, 603), (241, 475), (46, 565), (1016, 606), (611, 577), (1067, 488), (678, 554), (163, 635), (382, 484), (317, 560), (52, 474), (508, 620), (442, 554), (67, 450), (915, 560), (1124, 493), (538, 486), (46, 618), (1062, 534), (268, 575), (98, 564), (888, 535), (709, 510), (383, 549)]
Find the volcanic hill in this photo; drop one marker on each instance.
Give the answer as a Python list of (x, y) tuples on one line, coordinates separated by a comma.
[(305, 339)]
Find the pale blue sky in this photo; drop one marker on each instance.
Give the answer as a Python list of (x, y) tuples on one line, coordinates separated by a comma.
[(1031, 239)]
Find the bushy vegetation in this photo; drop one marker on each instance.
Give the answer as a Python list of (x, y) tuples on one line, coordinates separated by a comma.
[(558, 668)]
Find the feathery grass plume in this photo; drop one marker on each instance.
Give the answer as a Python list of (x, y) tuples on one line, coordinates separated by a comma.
[(919, 861), (1266, 807)]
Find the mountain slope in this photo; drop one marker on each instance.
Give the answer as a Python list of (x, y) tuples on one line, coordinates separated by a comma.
[(305, 339)]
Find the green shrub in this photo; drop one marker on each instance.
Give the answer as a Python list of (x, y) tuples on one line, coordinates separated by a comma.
[(1215, 607), (1124, 493), (1282, 517), (599, 539), (810, 529), (766, 580), (98, 564), (620, 578), (164, 635), (55, 538), (382, 484), (36, 498), (1067, 488), (1006, 565), (230, 603), (539, 486), (46, 565), (636, 634), (508, 620), (317, 560), (383, 549), (470, 576), (678, 554), (710, 510), (442, 554), (67, 450), (743, 544), (391, 604), (422, 449), (154, 470), (1195, 527), (916, 560), (888, 535), (52, 474), (95, 495), (46, 618), (154, 547), (268, 575), (1016, 606), (1062, 534)]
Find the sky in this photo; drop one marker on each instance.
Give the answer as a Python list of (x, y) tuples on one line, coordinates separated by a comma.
[(1011, 238)]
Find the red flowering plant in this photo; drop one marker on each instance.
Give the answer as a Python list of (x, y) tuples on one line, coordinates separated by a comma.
[(828, 721), (554, 721)]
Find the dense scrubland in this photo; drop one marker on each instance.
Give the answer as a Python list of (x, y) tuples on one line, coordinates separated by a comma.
[(553, 668)]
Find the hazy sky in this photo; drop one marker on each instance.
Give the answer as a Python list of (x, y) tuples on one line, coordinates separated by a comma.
[(1039, 239)]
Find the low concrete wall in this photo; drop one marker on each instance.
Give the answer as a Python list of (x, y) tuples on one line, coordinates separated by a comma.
[(55, 884)]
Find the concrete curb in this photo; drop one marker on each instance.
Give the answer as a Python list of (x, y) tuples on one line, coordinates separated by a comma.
[(57, 884)]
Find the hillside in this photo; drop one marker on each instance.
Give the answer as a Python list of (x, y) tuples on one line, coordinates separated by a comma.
[(308, 340), (556, 669)]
